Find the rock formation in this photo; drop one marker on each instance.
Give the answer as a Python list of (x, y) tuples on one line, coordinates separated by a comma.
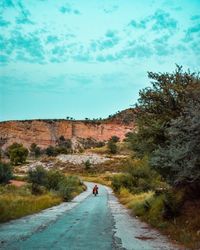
[(47, 132)]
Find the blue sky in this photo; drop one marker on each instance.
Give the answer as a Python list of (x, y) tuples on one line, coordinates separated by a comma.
[(89, 58)]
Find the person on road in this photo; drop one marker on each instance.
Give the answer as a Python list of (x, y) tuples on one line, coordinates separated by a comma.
[(95, 190)]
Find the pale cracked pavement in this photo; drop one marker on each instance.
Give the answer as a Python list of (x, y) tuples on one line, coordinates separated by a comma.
[(88, 222)]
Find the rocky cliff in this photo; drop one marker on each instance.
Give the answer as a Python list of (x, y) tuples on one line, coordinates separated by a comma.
[(47, 132)]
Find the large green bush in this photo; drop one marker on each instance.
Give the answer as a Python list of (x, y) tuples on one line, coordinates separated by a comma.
[(112, 147), (137, 177), (54, 178), (43, 180), (17, 153), (68, 186), (38, 176), (5, 172)]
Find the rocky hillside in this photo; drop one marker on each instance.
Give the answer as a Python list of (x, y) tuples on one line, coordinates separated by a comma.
[(47, 132)]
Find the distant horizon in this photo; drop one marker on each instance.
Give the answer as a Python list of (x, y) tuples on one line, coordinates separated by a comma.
[(89, 59), (68, 118)]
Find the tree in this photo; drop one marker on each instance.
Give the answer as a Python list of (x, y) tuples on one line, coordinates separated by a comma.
[(158, 105), (112, 147), (87, 165), (179, 161), (115, 138), (38, 176), (17, 153), (68, 186), (50, 151), (5, 172), (54, 177), (35, 150)]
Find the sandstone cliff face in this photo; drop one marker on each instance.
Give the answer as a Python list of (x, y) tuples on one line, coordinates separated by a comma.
[(47, 132)]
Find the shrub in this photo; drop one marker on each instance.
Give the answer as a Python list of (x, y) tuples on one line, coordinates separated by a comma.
[(5, 172), (35, 150), (64, 146), (87, 165), (54, 177), (50, 151), (37, 177), (115, 138), (121, 181), (17, 153), (173, 201), (68, 186), (138, 177), (112, 147)]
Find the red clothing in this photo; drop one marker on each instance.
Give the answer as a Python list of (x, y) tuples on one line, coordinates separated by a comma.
[(95, 189)]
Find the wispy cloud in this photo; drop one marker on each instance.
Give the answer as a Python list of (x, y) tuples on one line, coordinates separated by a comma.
[(159, 21), (24, 15), (3, 23), (68, 9), (110, 9), (6, 4), (110, 40)]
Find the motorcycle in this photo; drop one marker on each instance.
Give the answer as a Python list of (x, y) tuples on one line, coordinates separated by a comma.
[(95, 191)]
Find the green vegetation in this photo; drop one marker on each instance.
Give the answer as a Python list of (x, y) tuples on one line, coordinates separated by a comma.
[(63, 146), (65, 186), (5, 173), (137, 177), (17, 153), (50, 151), (35, 150), (69, 187), (112, 144), (162, 186), (45, 189), (168, 126), (88, 165)]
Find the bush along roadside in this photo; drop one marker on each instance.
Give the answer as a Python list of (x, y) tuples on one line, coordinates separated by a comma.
[(166, 208), (168, 132), (168, 212), (44, 189), (65, 186)]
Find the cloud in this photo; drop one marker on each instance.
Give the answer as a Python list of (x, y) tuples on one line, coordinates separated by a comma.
[(26, 47), (3, 59), (6, 4), (111, 9), (161, 46), (159, 21), (138, 50), (195, 17), (3, 23), (192, 33), (69, 10), (24, 15), (52, 39), (107, 58), (110, 40), (163, 20), (140, 25)]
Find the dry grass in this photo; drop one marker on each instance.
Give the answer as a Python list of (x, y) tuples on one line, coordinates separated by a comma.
[(16, 202), (133, 200), (101, 150), (184, 229)]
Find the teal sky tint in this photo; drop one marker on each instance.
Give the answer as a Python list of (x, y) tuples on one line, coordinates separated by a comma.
[(89, 58)]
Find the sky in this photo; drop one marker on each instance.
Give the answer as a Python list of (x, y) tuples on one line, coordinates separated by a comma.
[(89, 58)]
